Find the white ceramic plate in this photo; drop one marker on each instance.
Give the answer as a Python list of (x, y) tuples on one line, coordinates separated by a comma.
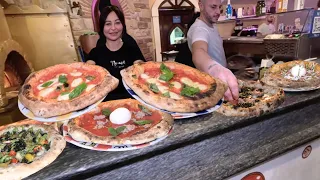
[(300, 89), (25, 111), (104, 147), (175, 115)]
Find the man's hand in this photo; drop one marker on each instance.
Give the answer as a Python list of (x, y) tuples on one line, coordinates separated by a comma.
[(91, 62), (224, 74)]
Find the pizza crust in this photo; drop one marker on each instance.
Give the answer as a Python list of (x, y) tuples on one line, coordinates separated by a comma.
[(22, 170), (159, 130), (50, 107), (273, 76), (186, 105), (261, 107)]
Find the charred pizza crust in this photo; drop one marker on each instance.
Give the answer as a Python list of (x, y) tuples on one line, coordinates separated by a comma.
[(263, 99), (42, 107), (157, 131), (275, 76), (199, 102), (22, 170)]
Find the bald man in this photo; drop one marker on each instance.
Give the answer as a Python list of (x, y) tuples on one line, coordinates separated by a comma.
[(206, 46)]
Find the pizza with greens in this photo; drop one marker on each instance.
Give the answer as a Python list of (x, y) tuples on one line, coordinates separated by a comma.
[(124, 121), (65, 88), (294, 75), (27, 148), (173, 86), (255, 99)]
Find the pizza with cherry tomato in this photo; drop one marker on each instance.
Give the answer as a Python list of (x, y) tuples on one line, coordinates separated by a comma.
[(173, 86), (26, 147), (65, 88), (116, 122)]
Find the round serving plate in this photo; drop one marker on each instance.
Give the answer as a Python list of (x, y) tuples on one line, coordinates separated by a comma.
[(300, 89), (175, 115), (105, 147), (25, 111)]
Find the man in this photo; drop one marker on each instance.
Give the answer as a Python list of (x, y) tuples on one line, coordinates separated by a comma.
[(206, 46), (267, 27)]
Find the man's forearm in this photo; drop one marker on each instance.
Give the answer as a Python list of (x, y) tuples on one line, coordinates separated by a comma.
[(203, 61)]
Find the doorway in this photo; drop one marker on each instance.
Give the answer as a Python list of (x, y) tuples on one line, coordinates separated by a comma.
[(174, 16)]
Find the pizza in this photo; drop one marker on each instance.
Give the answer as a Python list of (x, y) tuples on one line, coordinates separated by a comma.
[(255, 99), (173, 86), (26, 147), (116, 122), (293, 74), (65, 88)]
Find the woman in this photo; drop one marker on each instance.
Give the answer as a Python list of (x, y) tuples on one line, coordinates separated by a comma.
[(115, 54)]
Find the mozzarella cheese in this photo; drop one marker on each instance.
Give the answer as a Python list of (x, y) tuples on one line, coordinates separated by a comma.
[(176, 85), (76, 74), (174, 95), (144, 76), (76, 82), (63, 97), (89, 87), (152, 80), (54, 81), (120, 116), (298, 71), (46, 92), (189, 82), (163, 89)]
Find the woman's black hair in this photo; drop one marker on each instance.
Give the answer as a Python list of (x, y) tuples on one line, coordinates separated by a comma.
[(103, 16)]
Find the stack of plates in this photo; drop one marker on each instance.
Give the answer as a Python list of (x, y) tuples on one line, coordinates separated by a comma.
[(175, 115)]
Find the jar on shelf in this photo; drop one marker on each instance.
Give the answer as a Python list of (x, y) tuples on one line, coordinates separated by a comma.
[(261, 8)]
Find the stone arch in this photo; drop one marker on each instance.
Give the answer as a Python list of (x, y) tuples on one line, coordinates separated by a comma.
[(156, 25), (6, 48)]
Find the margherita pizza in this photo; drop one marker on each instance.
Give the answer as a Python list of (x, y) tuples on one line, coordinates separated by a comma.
[(254, 99), (174, 87), (117, 122), (65, 88), (26, 147), (293, 74)]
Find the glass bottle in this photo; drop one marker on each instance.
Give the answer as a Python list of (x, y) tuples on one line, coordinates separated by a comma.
[(229, 10), (260, 8)]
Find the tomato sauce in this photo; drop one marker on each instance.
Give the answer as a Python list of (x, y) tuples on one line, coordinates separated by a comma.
[(53, 95), (87, 122)]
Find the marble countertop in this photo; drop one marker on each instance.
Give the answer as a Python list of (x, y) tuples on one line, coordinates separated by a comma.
[(206, 147)]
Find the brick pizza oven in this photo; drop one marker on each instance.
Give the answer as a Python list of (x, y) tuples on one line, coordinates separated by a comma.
[(14, 66)]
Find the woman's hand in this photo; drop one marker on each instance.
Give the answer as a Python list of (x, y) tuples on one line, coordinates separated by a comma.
[(91, 62)]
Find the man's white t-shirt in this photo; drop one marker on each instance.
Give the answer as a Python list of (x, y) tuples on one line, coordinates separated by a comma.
[(266, 29), (200, 31)]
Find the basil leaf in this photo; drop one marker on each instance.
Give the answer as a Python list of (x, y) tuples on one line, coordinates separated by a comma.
[(120, 129), (90, 78), (143, 122), (64, 93), (189, 91), (171, 85), (63, 79), (77, 91), (106, 112), (164, 69), (134, 76), (154, 87), (167, 94), (144, 109), (112, 131), (47, 84), (166, 76)]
